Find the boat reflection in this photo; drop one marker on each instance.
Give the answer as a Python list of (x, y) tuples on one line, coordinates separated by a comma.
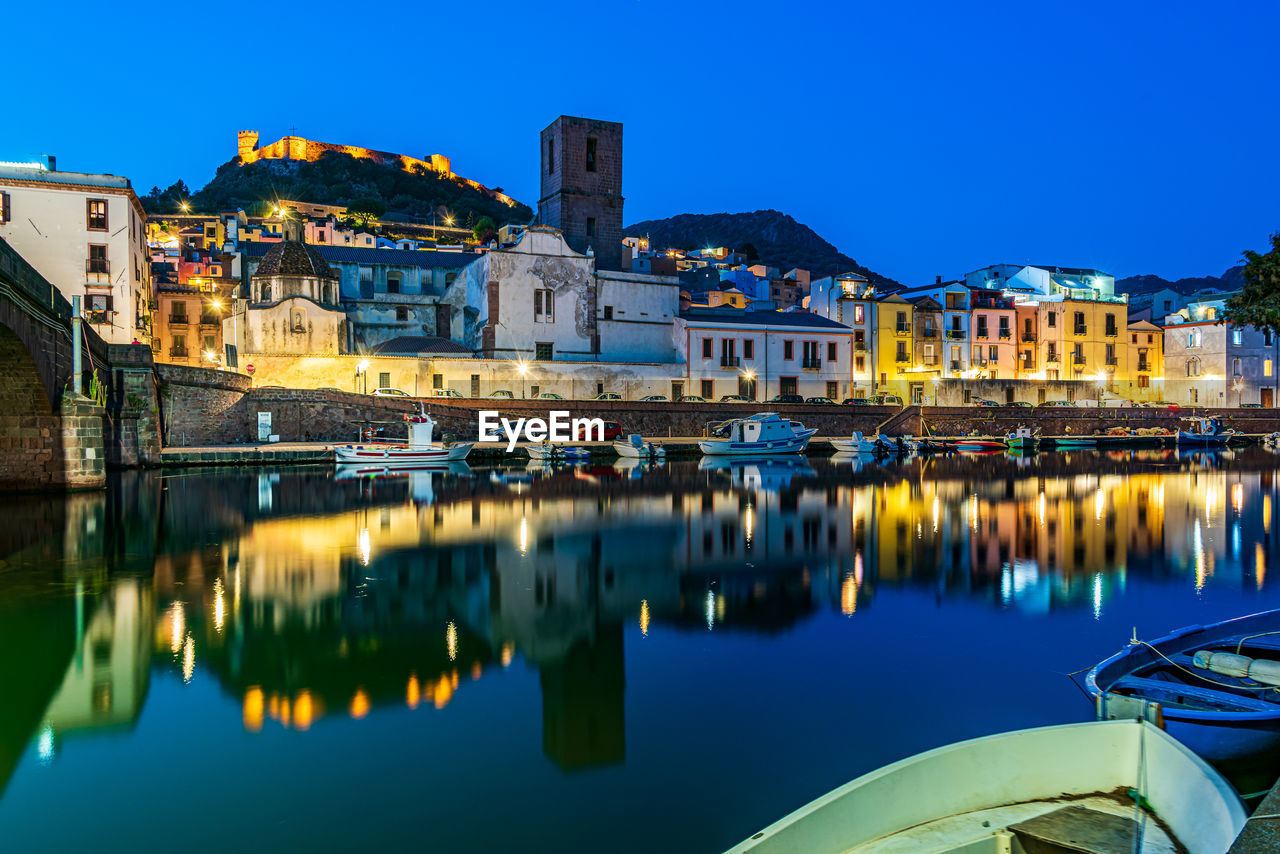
[(770, 473)]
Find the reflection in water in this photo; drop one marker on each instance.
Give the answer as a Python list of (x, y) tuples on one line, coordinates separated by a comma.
[(310, 602)]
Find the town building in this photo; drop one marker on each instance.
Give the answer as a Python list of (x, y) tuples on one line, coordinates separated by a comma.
[(85, 233), (759, 354), (1035, 281), (581, 194), (949, 352), (293, 306), (851, 300), (993, 351), (1209, 362)]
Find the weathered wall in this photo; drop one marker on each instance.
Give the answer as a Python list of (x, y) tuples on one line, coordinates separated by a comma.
[(197, 403)]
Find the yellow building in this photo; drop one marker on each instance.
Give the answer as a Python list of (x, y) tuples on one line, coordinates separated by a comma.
[(1142, 377), (893, 345), (1080, 340)]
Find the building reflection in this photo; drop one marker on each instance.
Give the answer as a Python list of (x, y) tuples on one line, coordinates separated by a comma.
[(309, 600)]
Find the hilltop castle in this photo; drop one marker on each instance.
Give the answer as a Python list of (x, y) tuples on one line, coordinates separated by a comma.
[(301, 148)]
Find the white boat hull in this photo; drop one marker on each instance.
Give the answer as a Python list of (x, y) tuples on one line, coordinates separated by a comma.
[(401, 454), (727, 448), (958, 797), (547, 453), (626, 449)]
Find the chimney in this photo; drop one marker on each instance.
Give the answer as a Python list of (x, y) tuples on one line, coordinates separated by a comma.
[(938, 281)]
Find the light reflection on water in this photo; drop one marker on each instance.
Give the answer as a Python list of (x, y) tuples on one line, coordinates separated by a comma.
[(539, 659)]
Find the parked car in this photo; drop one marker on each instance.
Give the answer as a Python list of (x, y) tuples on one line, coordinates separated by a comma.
[(692, 398), (823, 400), (1019, 403), (1159, 404), (855, 401), (1251, 406), (787, 398), (447, 392), (549, 395), (982, 401), (654, 398), (1048, 404), (612, 431), (733, 398), (885, 400), (607, 395), (384, 392), (502, 394)]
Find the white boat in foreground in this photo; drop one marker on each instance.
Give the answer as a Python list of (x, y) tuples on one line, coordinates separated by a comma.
[(547, 452), (636, 447), (1124, 781), (857, 444), (762, 433), (418, 449)]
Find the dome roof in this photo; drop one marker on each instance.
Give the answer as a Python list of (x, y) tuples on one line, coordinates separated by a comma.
[(291, 258)]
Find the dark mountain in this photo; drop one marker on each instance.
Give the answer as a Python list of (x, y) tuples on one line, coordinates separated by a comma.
[(339, 179), (779, 240), (1232, 279)]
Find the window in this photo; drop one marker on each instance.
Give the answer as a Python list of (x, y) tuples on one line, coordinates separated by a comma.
[(1111, 354), (858, 313), (901, 354), (97, 215), (384, 380), (833, 390), (1193, 338), (1193, 367), (543, 352), (928, 354), (1151, 338), (179, 312), (551, 156), (1237, 336), (831, 352), (982, 326), (708, 389), (366, 274), (544, 300), (98, 258), (706, 348), (1266, 367), (1111, 325), (437, 380), (6, 212), (1004, 327), (179, 345), (1053, 320), (402, 313), (608, 312), (209, 343), (1211, 313), (1081, 328), (902, 322), (859, 363), (1235, 368), (591, 154), (1135, 338), (1144, 381), (809, 353), (393, 283), (591, 226), (748, 348), (788, 350), (993, 353)]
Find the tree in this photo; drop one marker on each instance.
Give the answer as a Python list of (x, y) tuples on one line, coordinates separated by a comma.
[(484, 229), (366, 208), (1257, 304), (749, 251)]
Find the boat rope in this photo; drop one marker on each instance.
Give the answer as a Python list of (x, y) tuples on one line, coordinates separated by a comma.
[(1204, 678), (1240, 645)]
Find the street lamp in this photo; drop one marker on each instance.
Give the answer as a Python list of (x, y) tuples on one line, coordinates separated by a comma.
[(523, 369), (362, 369)]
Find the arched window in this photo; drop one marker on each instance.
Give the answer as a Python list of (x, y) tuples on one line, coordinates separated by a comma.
[(1193, 367), (327, 293), (264, 291)]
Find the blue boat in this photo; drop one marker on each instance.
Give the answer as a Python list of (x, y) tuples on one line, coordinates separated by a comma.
[(1215, 688), (1205, 431)]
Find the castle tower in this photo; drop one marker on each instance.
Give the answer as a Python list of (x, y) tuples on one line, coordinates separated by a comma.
[(247, 143), (581, 166)]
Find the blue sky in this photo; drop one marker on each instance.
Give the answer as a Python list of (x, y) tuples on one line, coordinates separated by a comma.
[(921, 139)]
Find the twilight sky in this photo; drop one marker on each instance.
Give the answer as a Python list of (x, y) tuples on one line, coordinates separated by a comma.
[(919, 138)]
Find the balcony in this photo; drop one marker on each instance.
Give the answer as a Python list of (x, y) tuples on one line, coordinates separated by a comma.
[(178, 352), (1028, 364), (1005, 334), (902, 358), (930, 333), (1112, 361), (97, 271), (1143, 365), (210, 320), (859, 346), (981, 333), (99, 315), (902, 329), (811, 365), (1082, 330), (955, 334), (955, 366), (1052, 357), (1112, 332), (730, 362), (179, 319), (1078, 358), (1028, 338)]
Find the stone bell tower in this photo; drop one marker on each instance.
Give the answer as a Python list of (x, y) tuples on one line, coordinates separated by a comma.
[(581, 168)]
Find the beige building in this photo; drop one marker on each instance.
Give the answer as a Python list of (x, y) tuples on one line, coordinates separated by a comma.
[(293, 306), (86, 234)]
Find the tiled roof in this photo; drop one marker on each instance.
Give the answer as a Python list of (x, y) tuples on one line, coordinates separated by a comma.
[(411, 345), (371, 255), (290, 258), (761, 318)]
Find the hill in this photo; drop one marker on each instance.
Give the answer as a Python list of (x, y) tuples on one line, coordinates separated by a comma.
[(779, 240), (339, 179), (1231, 280)]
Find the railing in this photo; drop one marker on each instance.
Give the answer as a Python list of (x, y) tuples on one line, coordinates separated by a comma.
[(1028, 365), (1082, 330), (1028, 337), (730, 361), (179, 319), (99, 315), (955, 365), (859, 346), (955, 334), (180, 352), (97, 271), (1112, 332), (903, 329), (981, 333), (210, 320), (1143, 366), (1078, 358), (1005, 334), (811, 364), (1052, 357), (902, 357), (1111, 360)]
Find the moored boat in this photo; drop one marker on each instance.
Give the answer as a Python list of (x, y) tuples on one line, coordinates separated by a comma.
[(1067, 443), (762, 433), (1022, 439), (1221, 714), (635, 447), (857, 444), (418, 449), (547, 452), (1205, 431), (979, 446), (1039, 789)]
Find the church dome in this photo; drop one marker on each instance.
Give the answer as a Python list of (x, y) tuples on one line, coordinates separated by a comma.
[(291, 258)]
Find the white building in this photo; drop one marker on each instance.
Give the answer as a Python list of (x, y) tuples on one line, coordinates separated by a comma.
[(1033, 280), (87, 235), (759, 354)]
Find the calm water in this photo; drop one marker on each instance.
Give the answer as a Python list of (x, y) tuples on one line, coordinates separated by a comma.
[(598, 659)]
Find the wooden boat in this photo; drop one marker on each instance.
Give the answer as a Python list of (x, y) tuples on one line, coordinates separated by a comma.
[(979, 446), (762, 433), (637, 448), (896, 445), (1067, 443), (546, 452), (1022, 439), (857, 444), (1205, 431), (1114, 785), (1220, 715), (418, 449)]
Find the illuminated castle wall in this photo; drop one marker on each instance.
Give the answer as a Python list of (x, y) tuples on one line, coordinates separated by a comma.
[(300, 148)]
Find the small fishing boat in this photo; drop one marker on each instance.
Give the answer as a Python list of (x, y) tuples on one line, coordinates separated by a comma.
[(1068, 443), (896, 445), (857, 444), (1205, 431), (1271, 441), (1214, 687), (636, 447), (977, 445), (418, 449), (1103, 786), (762, 433), (547, 452), (1022, 439)]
